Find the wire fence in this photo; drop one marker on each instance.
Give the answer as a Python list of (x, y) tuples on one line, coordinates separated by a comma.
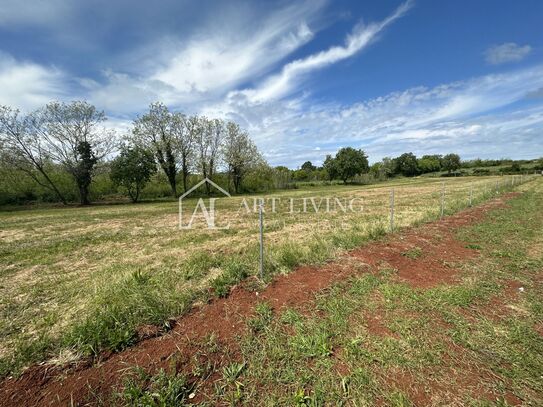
[(390, 209)]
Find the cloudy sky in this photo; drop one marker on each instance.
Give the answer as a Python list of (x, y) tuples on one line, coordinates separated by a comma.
[(303, 77)]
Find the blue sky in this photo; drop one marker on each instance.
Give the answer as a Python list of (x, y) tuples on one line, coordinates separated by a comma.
[(304, 78)]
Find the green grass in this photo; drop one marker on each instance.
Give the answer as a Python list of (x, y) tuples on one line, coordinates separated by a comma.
[(159, 390), (76, 281), (449, 342)]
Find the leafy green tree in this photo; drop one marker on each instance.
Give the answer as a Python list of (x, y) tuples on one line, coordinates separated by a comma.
[(330, 166), (301, 175), (282, 176), (308, 166), (407, 165), (240, 154), (516, 167), (132, 169), (350, 162), (429, 163), (384, 168), (83, 170), (451, 162)]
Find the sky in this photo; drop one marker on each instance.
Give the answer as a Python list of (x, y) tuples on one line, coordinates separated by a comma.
[(304, 78)]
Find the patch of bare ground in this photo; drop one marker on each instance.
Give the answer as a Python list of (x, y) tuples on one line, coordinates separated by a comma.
[(225, 318)]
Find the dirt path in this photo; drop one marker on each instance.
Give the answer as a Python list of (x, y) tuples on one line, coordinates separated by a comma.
[(422, 256)]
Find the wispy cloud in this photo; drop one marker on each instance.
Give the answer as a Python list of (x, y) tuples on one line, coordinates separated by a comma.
[(236, 65), (507, 52), (465, 116), (224, 60), (211, 61), (280, 85), (27, 85)]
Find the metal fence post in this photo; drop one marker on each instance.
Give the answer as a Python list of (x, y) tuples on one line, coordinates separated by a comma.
[(261, 222), (392, 210), (442, 199)]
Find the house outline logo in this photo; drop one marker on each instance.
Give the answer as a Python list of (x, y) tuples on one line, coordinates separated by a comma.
[(209, 214)]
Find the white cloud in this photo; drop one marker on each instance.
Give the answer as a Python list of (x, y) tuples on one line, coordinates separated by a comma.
[(507, 52), (280, 85), (451, 117), (222, 57), (225, 52), (229, 68), (28, 85)]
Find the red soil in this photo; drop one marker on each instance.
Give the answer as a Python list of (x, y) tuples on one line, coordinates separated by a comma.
[(226, 318)]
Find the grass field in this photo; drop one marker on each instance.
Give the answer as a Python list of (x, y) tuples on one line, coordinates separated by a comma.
[(477, 342), (79, 280)]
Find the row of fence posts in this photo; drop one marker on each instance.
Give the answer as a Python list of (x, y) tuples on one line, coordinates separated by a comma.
[(442, 198), (392, 205)]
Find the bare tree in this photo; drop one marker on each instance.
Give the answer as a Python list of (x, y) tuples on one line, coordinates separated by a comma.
[(185, 130), (23, 147), (72, 136), (240, 154), (156, 131), (209, 140)]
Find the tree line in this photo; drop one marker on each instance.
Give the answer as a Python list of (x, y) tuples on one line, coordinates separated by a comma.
[(352, 165), (62, 152), (349, 163), (70, 138)]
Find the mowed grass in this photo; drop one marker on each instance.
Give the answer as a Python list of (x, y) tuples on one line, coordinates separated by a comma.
[(478, 342), (76, 281)]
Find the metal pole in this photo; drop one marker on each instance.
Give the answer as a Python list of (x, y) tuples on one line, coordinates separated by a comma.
[(442, 199), (261, 222), (392, 210)]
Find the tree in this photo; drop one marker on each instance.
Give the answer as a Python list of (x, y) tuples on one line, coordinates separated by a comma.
[(330, 166), (132, 169), (72, 138), (209, 140), (83, 169), (384, 168), (282, 176), (157, 131), (429, 163), (308, 166), (23, 149), (185, 130), (516, 167), (240, 154), (407, 165), (350, 162), (451, 162)]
